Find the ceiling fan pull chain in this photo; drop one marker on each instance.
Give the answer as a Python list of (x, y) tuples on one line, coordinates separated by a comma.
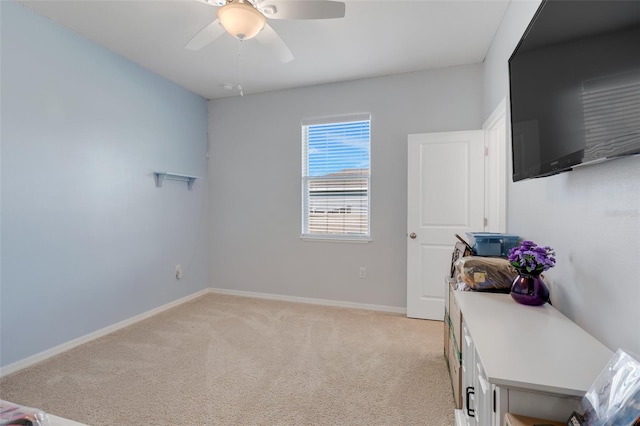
[(240, 67)]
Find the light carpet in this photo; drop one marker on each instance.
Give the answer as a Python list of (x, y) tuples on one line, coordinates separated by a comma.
[(230, 360)]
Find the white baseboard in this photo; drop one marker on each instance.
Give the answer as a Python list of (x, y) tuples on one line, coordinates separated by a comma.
[(39, 357), (312, 301)]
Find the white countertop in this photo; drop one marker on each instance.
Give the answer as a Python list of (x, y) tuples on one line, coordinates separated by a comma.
[(531, 347)]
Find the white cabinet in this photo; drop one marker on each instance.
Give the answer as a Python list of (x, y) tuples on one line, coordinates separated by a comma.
[(528, 360), (468, 374), (482, 400), (482, 392)]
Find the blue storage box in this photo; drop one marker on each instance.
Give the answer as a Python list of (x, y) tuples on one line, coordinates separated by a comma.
[(492, 243)]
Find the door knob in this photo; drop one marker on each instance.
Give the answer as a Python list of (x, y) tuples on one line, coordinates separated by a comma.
[(413, 235)]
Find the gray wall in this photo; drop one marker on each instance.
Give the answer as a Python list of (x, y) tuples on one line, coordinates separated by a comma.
[(87, 238), (256, 183), (591, 216)]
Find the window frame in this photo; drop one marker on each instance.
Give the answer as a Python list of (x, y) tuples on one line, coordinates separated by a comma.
[(349, 238)]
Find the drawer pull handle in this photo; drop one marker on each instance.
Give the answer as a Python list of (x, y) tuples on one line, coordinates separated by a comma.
[(470, 411)]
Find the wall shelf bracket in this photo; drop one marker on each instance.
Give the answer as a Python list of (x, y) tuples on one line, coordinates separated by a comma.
[(162, 176)]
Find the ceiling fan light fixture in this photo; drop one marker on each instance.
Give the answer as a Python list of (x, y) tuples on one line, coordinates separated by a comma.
[(241, 20)]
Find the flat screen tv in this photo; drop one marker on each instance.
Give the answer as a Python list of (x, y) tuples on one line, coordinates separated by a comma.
[(574, 83)]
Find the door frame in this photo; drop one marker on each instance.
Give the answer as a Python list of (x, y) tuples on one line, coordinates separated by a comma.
[(496, 149), (495, 155)]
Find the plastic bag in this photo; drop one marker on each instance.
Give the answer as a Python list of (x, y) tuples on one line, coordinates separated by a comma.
[(614, 398), (485, 273), (14, 414)]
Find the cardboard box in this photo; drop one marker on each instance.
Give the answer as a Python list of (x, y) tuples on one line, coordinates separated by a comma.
[(517, 420), (454, 372)]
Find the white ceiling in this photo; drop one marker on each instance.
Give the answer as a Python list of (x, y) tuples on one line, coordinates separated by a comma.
[(375, 38)]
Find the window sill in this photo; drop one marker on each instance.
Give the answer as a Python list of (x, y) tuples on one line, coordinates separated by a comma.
[(335, 239)]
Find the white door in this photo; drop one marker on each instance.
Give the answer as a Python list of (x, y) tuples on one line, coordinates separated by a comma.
[(445, 197)]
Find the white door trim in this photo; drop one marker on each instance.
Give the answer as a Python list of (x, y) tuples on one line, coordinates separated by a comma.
[(495, 140)]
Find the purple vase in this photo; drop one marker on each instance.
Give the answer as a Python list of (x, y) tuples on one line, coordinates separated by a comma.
[(529, 290)]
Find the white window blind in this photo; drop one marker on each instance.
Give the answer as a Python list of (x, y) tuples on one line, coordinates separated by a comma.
[(336, 177)]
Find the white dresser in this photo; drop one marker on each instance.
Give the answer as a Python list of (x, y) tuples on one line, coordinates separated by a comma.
[(59, 421), (529, 360)]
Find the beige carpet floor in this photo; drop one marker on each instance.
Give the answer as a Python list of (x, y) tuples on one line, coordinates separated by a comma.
[(229, 360)]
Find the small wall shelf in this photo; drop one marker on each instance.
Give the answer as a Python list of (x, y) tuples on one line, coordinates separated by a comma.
[(161, 176)]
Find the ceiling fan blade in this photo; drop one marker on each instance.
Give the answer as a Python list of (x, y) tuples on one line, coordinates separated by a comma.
[(302, 9), (206, 36), (272, 41)]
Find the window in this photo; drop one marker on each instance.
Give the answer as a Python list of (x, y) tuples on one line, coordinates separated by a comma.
[(336, 177)]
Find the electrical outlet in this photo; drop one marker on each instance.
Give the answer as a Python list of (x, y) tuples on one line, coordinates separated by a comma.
[(178, 272), (363, 273)]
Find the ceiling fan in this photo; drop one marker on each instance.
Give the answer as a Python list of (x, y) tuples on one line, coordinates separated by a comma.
[(245, 19)]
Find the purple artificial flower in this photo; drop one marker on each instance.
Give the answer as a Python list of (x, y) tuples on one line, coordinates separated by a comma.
[(531, 258)]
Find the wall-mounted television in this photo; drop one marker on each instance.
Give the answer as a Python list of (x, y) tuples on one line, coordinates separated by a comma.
[(574, 81)]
